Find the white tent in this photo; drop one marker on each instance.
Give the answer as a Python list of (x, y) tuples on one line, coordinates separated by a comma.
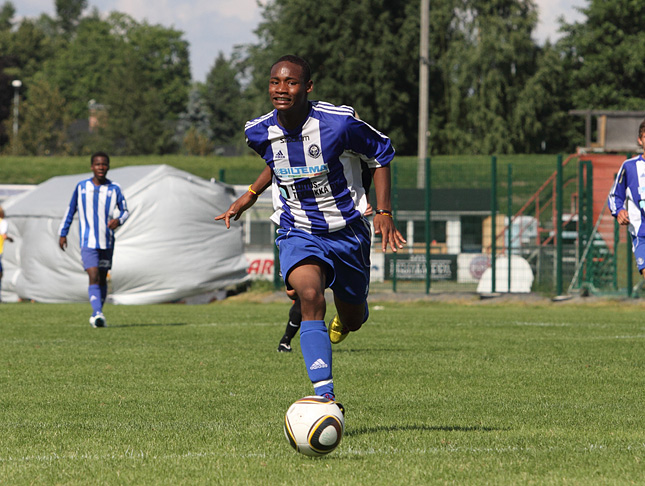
[(169, 249)]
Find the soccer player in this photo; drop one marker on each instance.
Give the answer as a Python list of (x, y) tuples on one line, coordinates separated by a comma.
[(3, 236), (96, 200), (295, 316), (627, 199), (313, 152)]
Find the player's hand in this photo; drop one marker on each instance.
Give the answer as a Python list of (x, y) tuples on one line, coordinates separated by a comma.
[(369, 210), (114, 224), (236, 209), (622, 217), (62, 242), (384, 226)]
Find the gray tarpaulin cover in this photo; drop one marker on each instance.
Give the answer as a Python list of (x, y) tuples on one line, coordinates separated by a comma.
[(169, 249)]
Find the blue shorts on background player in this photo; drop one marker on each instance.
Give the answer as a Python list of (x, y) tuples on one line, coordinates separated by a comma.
[(96, 200), (313, 153), (627, 199)]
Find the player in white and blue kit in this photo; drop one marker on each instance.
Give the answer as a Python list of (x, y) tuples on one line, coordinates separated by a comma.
[(96, 200), (627, 199), (313, 152)]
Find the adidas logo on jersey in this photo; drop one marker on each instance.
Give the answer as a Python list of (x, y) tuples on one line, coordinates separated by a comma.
[(279, 155), (318, 364)]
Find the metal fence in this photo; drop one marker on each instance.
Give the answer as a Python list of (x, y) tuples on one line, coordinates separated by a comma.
[(495, 228)]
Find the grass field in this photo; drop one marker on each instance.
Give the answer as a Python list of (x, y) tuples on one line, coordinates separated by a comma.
[(529, 171), (436, 393)]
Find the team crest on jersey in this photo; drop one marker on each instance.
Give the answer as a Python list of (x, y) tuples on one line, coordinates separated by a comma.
[(314, 151), (640, 261)]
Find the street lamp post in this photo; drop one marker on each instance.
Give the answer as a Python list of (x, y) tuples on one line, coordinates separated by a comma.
[(16, 83)]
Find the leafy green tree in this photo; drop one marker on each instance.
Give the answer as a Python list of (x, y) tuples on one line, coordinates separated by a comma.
[(196, 121), (68, 13), (604, 55), (162, 55), (362, 53), (541, 109), (81, 70), (135, 117), (222, 94), (7, 12), (483, 68), (44, 121)]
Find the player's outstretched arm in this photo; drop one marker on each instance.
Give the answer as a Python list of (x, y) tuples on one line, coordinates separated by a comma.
[(246, 200), (383, 221)]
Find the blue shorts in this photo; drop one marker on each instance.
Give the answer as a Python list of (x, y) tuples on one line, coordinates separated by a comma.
[(0, 263), (97, 258), (638, 245), (345, 254)]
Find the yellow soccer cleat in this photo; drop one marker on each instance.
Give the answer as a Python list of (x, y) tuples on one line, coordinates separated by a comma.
[(336, 331)]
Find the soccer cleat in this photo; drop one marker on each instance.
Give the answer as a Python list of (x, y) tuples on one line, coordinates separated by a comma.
[(336, 331), (331, 397), (98, 320), (342, 409), (284, 348)]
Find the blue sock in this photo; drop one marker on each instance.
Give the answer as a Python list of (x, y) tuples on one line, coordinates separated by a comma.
[(103, 293), (316, 350), (95, 298)]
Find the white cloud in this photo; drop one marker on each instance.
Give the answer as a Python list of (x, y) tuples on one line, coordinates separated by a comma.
[(549, 13)]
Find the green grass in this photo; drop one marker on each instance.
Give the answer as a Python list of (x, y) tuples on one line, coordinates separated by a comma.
[(436, 393), (447, 171)]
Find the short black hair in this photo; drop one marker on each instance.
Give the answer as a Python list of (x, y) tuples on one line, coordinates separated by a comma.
[(99, 154), (306, 70)]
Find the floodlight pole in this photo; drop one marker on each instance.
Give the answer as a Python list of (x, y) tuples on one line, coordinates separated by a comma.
[(16, 83), (424, 82)]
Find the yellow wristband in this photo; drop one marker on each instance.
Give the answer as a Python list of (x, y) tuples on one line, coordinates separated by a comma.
[(252, 191)]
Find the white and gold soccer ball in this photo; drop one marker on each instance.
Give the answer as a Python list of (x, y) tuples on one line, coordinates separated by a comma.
[(314, 425)]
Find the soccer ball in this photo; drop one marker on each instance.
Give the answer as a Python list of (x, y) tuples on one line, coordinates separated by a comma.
[(314, 426)]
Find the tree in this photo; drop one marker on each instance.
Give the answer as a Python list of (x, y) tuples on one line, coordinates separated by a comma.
[(68, 13), (135, 117), (81, 70), (44, 121), (222, 95), (604, 55), (194, 126), (483, 68), (362, 53), (7, 12)]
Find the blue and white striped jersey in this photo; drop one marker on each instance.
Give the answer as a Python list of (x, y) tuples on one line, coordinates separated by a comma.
[(95, 205), (628, 192), (317, 184)]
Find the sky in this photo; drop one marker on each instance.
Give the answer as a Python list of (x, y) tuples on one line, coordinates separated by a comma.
[(214, 26)]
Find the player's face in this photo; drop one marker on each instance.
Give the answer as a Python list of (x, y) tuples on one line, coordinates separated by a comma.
[(641, 141), (100, 167), (287, 88)]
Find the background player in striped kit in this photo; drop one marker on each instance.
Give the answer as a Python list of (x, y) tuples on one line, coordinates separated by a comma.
[(627, 199), (96, 200), (313, 152)]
